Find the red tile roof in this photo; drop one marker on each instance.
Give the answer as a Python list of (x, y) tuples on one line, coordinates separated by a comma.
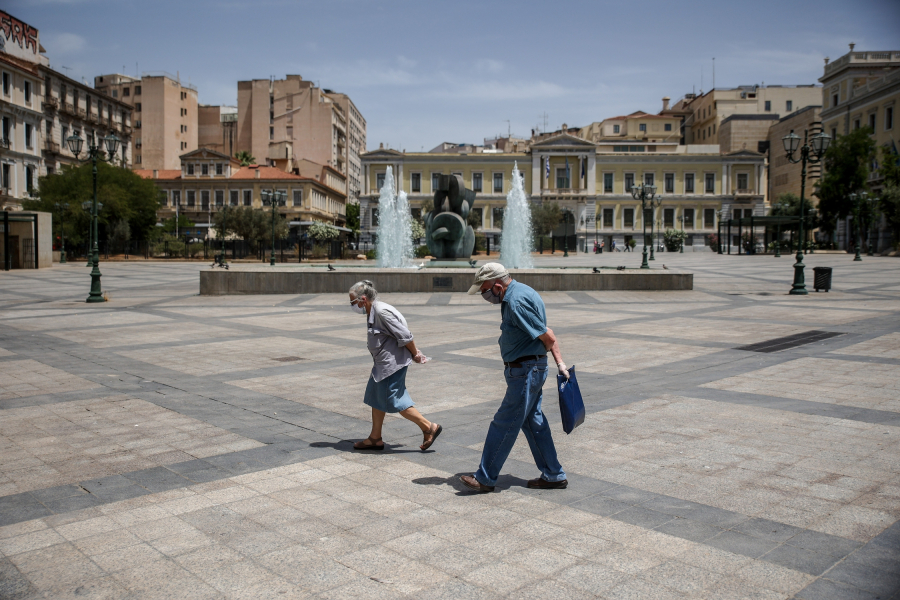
[(160, 174)]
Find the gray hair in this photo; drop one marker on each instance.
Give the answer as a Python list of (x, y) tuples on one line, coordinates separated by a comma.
[(364, 288)]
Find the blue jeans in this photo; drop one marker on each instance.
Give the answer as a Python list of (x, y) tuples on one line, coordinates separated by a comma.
[(520, 409)]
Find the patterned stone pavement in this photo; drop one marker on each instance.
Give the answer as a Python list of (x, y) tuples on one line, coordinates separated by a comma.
[(167, 445)]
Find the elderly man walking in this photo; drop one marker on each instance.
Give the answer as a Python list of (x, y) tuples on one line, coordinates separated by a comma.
[(525, 340)]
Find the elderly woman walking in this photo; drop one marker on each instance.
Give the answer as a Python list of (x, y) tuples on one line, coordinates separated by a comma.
[(393, 349)]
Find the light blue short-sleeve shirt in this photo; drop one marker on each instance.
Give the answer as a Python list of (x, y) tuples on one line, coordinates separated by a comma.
[(524, 320)]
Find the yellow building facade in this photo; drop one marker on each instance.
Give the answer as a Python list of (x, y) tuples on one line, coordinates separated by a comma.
[(695, 185)]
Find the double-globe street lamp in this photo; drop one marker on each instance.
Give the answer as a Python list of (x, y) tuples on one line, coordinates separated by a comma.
[(646, 193), (812, 151), (274, 199), (95, 153), (62, 208)]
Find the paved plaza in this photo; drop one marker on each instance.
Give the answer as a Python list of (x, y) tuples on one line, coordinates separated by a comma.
[(168, 445)]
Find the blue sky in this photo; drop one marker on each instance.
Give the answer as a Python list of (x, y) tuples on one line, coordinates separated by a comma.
[(422, 72)]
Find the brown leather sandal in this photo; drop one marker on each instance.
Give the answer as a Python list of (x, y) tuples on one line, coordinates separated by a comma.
[(427, 444), (373, 446)]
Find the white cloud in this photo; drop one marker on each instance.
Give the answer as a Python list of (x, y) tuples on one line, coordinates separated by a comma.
[(59, 44), (406, 63), (488, 65)]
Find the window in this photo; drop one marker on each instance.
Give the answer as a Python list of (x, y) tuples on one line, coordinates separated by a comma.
[(742, 181), (27, 89), (204, 199), (379, 181), (669, 179), (616, 129), (562, 179), (477, 185), (649, 178), (29, 178), (709, 218), (204, 169), (50, 128), (126, 92), (607, 183), (176, 197), (233, 197), (137, 107), (834, 100), (6, 84), (415, 182), (642, 127), (29, 135), (190, 168), (5, 176), (7, 131), (889, 117), (220, 169), (855, 124), (115, 93), (220, 197), (669, 218), (271, 133), (137, 90), (248, 197), (298, 198), (498, 183), (668, 127), (688, 214), (834, 133), (629, 182), (65, 135), (789, 105), (374, 217), (710, 183), (289, 132), (137, 159), (191, 198), (435, 181), (497, 216), (737, 213), (608, 216), (872, 122), (628, 218)]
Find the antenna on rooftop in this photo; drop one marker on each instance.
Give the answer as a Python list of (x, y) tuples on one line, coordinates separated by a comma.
[(67, 70), (508, 128), (714, 73), (544, 116)]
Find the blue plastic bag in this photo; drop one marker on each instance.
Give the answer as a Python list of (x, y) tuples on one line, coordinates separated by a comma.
[(571, 406)]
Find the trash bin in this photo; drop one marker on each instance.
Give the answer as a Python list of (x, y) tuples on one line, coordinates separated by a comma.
[(822, 278)]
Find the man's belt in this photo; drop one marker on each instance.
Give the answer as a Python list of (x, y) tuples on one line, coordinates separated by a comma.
[(518, 362)]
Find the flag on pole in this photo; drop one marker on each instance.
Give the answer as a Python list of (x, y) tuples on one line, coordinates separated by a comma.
[(567, 171), (582, 167), (547, 163)]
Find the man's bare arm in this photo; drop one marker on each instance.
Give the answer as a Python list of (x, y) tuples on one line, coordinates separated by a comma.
[(552, 346)]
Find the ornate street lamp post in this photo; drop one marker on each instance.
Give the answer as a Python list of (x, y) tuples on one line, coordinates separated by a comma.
[(222, 233), (565, 233), (646, 194), (95, 153), (682, 232), (858, 201), (818, 145), (61, 208), (274, 199), (722, 214)]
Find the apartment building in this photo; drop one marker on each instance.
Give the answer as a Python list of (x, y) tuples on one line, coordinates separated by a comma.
[(696, 183), (73, 107), (643, 131), (709, 109), (21, 96), (208, 180), (217, 127), (281, 122), (165, 115)]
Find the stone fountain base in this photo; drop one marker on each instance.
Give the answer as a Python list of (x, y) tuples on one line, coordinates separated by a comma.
[(284, 279)]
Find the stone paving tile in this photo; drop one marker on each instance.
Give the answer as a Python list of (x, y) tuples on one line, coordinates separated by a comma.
[(23, 378), (801, 492)]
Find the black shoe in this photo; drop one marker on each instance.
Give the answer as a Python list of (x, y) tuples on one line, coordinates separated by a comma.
[(543, 484)]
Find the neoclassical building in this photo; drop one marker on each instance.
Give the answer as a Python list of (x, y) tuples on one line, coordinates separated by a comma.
[(592, 180)]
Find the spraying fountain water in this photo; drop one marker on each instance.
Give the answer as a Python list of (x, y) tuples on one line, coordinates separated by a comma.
[(394, 246), (516, 237)]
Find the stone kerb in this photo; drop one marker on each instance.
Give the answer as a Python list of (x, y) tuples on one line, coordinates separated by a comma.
[(314, 281)]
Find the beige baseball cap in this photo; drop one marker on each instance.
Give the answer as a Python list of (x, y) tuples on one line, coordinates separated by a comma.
[(486, 273)]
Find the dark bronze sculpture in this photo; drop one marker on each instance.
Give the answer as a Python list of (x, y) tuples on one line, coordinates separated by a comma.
[(447, 234)]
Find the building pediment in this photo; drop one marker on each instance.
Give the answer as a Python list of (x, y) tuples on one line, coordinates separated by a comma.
[(382, 153), (206, 153), (744, 152), (563, 140)]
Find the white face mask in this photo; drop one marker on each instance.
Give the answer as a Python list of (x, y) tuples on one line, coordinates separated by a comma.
[(357, 308), (490, 296)]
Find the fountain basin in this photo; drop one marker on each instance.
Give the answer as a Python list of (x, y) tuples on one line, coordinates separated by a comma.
[(260, 279)]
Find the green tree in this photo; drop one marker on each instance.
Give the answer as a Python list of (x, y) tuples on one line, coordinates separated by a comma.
[(168, 225), (246, 158), (890, 193), (545, 217), (323, 232), (125, 196), (352, 216), (474, 219), (251, 224), (417, 230), (845, 171)]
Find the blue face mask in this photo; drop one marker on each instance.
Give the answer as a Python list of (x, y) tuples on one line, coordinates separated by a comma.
[(490, 296)]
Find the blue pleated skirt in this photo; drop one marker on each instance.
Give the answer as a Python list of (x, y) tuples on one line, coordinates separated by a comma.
[(390, 393)]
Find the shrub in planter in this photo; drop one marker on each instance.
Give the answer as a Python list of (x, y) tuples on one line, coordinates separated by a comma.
[(674, 239), (712, 240), (422, 251)]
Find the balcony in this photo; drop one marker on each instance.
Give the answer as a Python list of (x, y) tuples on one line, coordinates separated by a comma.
[(82, 113), (51, 147), (70, 108), (5, 143), (126, 129), (51, 103), (740, 192), (93, 118)]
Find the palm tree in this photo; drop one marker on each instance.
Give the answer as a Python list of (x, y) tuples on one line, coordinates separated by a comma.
[(246, 158)]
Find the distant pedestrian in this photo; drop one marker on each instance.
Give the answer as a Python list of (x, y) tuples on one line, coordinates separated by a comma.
[(392, 347), (612, 246), (525, 340)]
